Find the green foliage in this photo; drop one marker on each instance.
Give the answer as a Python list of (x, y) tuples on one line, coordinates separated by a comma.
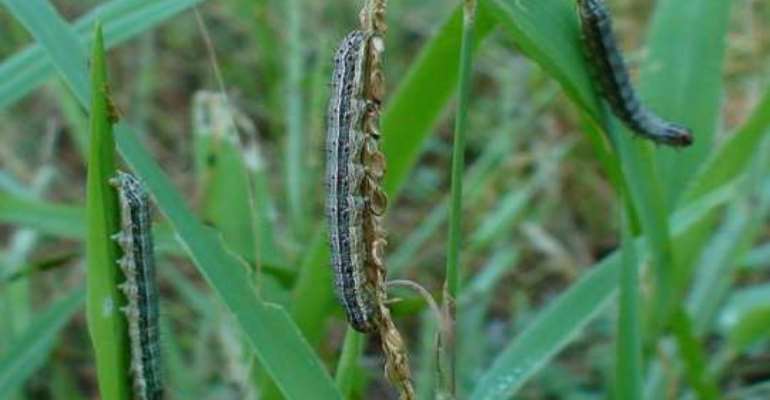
[(106, 322), (545, 255)]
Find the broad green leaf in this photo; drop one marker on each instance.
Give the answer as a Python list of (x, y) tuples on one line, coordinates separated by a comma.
[(31, 351), (693, 356), (681, 78), (547, 31), (226, 198)]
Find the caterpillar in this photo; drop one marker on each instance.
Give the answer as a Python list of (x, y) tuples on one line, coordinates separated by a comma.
[(138, 266), (613, 79), (354, 201)]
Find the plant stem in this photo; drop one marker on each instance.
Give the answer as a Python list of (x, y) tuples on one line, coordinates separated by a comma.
[(453, 270)]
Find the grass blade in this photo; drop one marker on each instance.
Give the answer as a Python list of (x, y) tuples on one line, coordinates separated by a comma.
[(629, 341), (58, 38), (347, 366), (296, 147), (686, 52), (30, 352), (52, 219), (735, 155), (278, 343), (123, 19), (454, 271), (106, 324), (693, 356), (416, 104), (563, 319)]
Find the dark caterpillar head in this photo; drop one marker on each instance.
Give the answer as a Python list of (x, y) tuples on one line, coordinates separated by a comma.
[(676, 135)]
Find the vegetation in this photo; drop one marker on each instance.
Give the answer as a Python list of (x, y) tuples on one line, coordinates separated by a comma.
[(577, 261)]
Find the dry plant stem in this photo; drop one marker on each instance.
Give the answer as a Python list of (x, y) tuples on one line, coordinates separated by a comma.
[(396, 356)]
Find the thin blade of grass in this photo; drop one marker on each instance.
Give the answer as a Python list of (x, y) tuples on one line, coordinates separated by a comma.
[(563, 319), (347, 366), (628, 374), (454, 271), (277, 342), (106, 324), (693, 356), (31, 351), (734, 156), (58, 38), (123, 19), (418, 101), (296, 147)]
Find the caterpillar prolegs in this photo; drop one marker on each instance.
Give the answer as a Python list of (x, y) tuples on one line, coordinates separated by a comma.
[(138, 266), (614, 83), (354, 167)]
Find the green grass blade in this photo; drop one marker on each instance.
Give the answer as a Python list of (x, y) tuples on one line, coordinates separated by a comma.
[(58, 38), (52, 219), (123, 19), (31, 351), (313, 290), (693, 356), (628, 374), (735, 155), (646, 192), (277, 341), (347, 366), (751, 328), (106, 324), (296, 147), (563, 319), (685, 55), (415, 106), (224, 185), (453, 270), (547, 31)]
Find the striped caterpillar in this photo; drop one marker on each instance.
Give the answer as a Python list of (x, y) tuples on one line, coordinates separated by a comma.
[(354, 167), (138, 266), (614, 83)]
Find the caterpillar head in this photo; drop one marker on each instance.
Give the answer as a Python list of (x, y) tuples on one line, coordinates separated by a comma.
[(676, 135)]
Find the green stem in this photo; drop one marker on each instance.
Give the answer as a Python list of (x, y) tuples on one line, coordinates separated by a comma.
[(629, 341), (295, 148), (453, 270)]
